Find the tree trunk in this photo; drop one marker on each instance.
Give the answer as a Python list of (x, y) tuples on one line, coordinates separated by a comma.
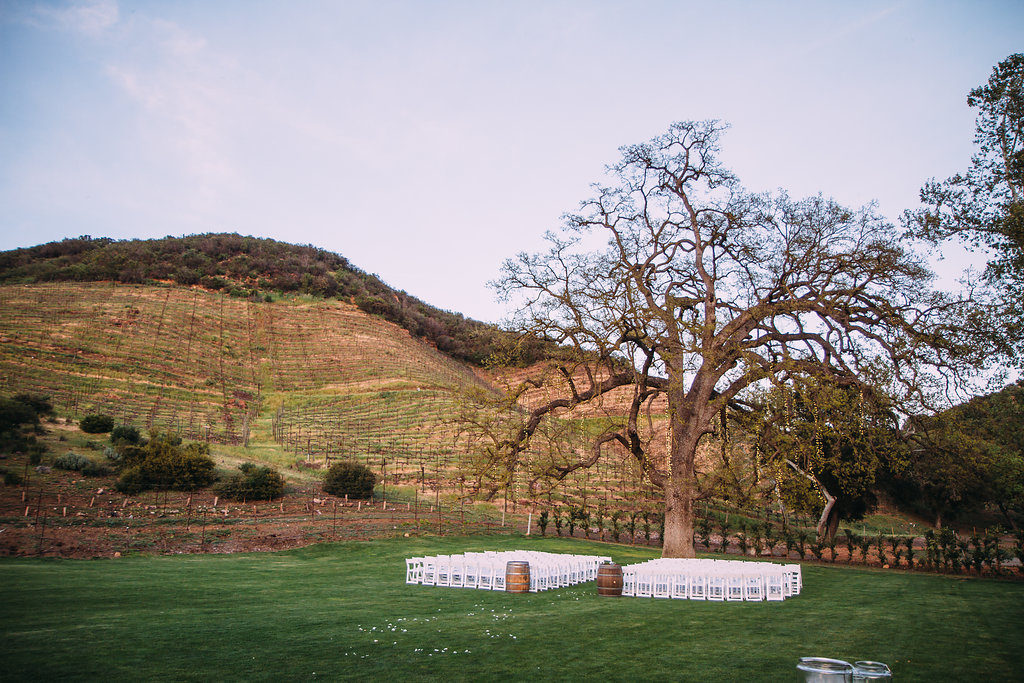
[(679, 518), (825, 521), (680, 487), (1006, 515), (832, 524), (826, 525)]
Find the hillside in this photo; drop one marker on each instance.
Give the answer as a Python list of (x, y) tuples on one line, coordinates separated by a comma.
[(257, 269), (286, 354), (298, 378), (202, 363)]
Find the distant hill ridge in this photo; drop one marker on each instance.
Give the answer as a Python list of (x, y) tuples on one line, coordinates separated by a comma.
[(252, 267)]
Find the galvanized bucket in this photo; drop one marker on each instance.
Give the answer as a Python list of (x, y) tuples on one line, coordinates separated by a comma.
[(865, 672), (822, 670)]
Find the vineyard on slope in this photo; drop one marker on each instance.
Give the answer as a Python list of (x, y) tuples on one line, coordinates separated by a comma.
[(318, 377)]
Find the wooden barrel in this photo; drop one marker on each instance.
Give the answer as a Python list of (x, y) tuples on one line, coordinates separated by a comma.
[(517, 577), (609, 579)]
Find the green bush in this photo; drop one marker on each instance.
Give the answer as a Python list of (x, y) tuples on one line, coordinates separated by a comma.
[(125, 434), (72, 461), (165, 464), (96, 424), (252, 483), (616, 525), (351, 479), (42, 405), (768, 532), (15, 413), (132, 481), (96, 469), (126, 455)]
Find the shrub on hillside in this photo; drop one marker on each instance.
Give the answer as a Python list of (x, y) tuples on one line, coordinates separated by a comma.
[(96, 424), (14, 414), (74, 462), (42, 405), (252, 482), (164, 463), (96, 469), (125, 434), (22, 410), (351, 479)]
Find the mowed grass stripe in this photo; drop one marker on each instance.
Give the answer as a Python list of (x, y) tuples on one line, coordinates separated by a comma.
[(343, 611)]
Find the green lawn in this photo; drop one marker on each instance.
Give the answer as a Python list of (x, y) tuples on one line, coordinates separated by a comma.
[(343, 611)]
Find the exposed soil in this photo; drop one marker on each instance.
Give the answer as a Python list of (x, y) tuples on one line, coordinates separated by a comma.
[(62, 514)]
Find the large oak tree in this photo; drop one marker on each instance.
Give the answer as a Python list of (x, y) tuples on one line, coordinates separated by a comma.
[(675, 281)]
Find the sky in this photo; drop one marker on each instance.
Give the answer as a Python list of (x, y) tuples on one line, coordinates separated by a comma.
[(428, 141)]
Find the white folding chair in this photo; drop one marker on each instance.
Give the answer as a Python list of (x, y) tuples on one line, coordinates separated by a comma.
[(796, 579), (414, 570), (582, 569), (549, 573), (775, 586), (471, 573), (716, 587), (680, 586), (644, 584), (753, 587), (498, 583), (629, 583), (661, 585), (536, 575), (429, 571), (792, 579), (734, 587), (444, 570), (457, 572), (698, 584), (485, 575)]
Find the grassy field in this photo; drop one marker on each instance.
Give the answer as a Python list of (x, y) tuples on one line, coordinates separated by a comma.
[(343, 611)]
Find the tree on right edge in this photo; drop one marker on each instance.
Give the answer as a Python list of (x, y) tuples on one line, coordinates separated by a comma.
[(984, 206)]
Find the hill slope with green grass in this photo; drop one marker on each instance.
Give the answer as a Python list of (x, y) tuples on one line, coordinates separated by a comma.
[(213, 367)]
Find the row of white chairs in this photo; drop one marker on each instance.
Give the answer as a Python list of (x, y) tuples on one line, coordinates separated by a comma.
[(721, 580), (486, 570)]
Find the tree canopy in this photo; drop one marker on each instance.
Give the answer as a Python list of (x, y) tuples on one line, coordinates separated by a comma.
[(703, 291), (828, 443), (967, 457), (984, 205)]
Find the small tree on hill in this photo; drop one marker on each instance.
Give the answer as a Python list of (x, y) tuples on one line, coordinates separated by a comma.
[(15, 414), (252, 482), (96, 423), (163, 463), (351, 479)]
